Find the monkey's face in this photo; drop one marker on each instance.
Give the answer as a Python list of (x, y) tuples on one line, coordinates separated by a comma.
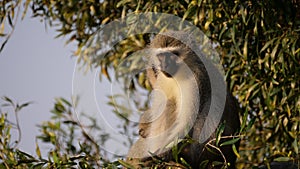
[(169, 58), (167, 62), (168, 54)]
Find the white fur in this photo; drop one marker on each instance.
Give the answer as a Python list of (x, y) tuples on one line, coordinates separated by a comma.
[(182, 88)]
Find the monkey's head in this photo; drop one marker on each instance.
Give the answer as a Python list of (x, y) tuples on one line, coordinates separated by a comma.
[(170, 55)]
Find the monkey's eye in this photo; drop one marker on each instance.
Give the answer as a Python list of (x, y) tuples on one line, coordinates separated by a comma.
[(175, 52)]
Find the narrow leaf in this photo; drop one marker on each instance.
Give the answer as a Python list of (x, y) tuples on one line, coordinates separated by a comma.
[(219, 133), (282, 159), (38, 151), (230, 142), (8, 100), (235, 151), (126, 165), (190, 12), (267, 45)]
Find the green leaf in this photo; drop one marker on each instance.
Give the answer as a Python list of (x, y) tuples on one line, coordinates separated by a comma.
[(199, 3), (83, 165), (234, 149), (38, 151), (59, 108), (25, 154), (282, 159), (182, 2), (19, 107), (185, 163), (8, 100), (204, 164), (122, 3), (219, 133), (55, 157), (230, 142), (267, 44), (217, 163), (39, 165), (244, 121), (274, 51), (190, 12), (250, 124), (65, 101), (3, 44), (26, 4), (296, 145), (125, 164)]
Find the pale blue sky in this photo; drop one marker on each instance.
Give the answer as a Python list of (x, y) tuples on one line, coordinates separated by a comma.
[(35, 67)]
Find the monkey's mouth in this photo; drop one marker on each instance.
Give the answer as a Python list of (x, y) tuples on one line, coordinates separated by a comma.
[(157, 70), (166, 73)]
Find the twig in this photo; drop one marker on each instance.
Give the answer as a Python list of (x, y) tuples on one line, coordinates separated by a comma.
[(217, 148)]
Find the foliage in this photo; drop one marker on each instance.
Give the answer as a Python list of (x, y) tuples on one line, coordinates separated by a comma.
[(71, 145), (259, 48)]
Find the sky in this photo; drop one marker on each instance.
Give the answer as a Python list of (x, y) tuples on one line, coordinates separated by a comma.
[(34, 66)]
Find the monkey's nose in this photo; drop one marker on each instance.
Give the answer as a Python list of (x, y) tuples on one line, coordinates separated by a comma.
[(167, 63), (161, 58), (165, 59)]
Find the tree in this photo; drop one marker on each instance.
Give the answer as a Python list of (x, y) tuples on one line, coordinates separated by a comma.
[(258, 45)]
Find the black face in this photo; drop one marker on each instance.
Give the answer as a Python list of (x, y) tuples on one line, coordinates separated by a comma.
[(168, 63)]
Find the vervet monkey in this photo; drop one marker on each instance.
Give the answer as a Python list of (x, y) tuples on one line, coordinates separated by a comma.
[(181, 100)]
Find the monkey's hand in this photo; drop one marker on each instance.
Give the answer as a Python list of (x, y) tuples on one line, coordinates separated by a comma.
[(144, 132), (144, 125)]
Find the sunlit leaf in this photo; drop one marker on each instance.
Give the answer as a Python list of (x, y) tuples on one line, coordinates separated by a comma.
[(230, 142), (282, 159), (234, 149)]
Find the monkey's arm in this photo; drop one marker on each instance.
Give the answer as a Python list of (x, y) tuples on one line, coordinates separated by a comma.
[(153, 121), (144, 125), (151, 75)]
